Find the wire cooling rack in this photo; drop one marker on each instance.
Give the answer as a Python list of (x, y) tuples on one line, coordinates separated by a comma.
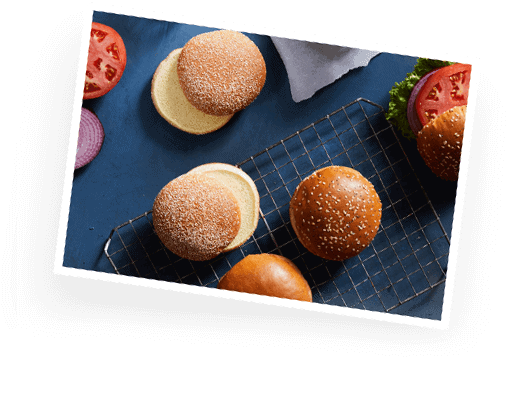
[(407, 257)]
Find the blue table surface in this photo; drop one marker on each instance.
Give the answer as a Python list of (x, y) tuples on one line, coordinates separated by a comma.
[(142, 152)]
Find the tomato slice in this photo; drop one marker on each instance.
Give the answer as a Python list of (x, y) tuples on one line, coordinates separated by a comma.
[(446, 88), (106, 61)]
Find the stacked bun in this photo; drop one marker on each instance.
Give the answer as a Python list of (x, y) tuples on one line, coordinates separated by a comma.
[(335, 212), (199, 87), (212, 209), (430, 105), (269, 275)]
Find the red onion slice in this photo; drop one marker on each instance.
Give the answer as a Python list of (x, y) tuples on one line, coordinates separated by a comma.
[(413, 120), (91, 137)]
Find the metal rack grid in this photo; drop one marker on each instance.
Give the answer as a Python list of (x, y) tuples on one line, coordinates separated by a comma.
[(407, 257)]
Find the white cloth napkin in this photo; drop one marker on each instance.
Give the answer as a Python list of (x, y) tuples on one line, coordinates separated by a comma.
[(311, 66)]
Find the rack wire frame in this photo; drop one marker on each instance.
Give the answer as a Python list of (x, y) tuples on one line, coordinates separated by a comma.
[(407, 258)]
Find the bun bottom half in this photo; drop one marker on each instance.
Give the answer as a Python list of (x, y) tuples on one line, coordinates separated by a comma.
[(245, 192), (171, 103)]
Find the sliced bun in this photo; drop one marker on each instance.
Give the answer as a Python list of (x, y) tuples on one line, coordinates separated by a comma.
[(269, 275), (221, 72), (196, 216), (173, 106), (439, 143), (335, 212), (245, 191)]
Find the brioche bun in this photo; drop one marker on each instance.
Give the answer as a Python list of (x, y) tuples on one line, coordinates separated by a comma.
[(269, 275), (335, 212), (439, 143), (172, 105), (245, 191), (196, 217), (221, 72)]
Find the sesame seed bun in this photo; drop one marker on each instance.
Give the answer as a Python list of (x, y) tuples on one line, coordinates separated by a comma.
[(439, 143), (335, 212), (196, 217), (221, 72), (268, 275), (245, 192), (172, 105)]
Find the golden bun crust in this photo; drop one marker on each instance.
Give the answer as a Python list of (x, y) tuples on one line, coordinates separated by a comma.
[(196, 216), (221, 72), (172, 105), (268, 275), (439, 143), (335, 212)]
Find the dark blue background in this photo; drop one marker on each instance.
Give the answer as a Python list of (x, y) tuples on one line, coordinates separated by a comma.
[(142, 152)]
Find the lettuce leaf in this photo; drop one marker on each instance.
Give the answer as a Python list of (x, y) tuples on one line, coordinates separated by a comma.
[(397, 112)]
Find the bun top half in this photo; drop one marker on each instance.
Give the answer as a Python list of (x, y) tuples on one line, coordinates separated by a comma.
[(268, 275), (335, 212), (439, 143), (196, 217), (221, 72)]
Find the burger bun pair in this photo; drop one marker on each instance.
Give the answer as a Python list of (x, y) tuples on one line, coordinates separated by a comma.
[(212, 209), (199, 87)]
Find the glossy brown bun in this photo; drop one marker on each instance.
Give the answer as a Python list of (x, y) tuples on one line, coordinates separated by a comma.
[(439, 143), (196, 216), (268, 275), (221, 72), (335, 212)]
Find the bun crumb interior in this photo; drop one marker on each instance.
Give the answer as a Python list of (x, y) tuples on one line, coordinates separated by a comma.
[(172, 105), (245, 191)]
